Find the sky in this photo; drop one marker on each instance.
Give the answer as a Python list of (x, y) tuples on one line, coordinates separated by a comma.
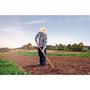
[(18, 30)]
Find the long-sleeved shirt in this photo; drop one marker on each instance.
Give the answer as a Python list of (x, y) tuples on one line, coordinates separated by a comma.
[(41, 39)]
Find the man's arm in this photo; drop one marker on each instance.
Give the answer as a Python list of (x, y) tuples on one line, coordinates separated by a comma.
[(45, 40), (36, 39)]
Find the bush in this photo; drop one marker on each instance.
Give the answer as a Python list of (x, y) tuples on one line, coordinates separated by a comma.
[(61, 47), (4, 50), (28, 46), (50, 47)]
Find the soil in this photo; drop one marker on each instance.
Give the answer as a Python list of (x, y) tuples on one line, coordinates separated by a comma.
[(62, 65)]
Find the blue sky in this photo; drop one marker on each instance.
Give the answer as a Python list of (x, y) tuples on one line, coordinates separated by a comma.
[(16, 31)]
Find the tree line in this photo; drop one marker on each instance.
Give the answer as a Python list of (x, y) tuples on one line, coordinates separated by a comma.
[(59, 47), (70, 47)]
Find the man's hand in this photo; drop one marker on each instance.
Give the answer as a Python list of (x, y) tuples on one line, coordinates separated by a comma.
[(43, 49)]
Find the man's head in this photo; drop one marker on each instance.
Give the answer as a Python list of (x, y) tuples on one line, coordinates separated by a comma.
[(43, 30)]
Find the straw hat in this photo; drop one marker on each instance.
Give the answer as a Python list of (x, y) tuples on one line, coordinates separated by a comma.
[(43, 30)]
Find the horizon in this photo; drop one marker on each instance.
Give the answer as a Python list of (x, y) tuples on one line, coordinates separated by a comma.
[(47, 45), (17, 30)]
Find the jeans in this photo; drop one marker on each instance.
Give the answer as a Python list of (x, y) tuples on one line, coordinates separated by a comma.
[(42, 58)]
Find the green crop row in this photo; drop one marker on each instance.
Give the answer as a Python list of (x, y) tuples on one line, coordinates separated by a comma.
[(81, 54), (8, 67)]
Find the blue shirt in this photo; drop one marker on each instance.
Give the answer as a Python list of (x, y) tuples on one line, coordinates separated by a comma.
[(41, 38)]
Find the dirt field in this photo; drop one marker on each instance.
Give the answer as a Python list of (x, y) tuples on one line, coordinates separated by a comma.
[(63, 65)]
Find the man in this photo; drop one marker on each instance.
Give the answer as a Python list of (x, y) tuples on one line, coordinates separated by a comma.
[(41, 40)]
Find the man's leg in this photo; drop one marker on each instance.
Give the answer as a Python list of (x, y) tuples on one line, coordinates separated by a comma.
[(44, 58), (40, 56)]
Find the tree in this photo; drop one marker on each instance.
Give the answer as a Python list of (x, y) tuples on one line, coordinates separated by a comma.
[(28, 46), (69, 47), (81, 46), (75, 47), (78, 47), (61, 47), (50, 47)]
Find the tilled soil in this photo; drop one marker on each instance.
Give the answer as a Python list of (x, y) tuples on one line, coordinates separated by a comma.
[(62, 65)]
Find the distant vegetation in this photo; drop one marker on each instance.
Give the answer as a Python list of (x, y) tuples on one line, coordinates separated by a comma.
[(2, 50), (28, 47), (59, 47), (74, 47)]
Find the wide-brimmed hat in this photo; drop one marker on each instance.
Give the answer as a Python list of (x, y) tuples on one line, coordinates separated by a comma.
[(43, 30)]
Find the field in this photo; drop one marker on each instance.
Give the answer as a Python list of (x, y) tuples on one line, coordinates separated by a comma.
[(65, 63)]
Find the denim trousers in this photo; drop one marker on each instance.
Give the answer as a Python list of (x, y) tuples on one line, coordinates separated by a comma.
[(42, 58)]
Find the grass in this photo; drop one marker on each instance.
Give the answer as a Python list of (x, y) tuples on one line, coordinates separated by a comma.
[(8, 67), (27, 53), (81, 54)]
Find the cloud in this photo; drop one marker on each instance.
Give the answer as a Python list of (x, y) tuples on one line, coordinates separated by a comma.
[(36, 22), (14, 36)]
